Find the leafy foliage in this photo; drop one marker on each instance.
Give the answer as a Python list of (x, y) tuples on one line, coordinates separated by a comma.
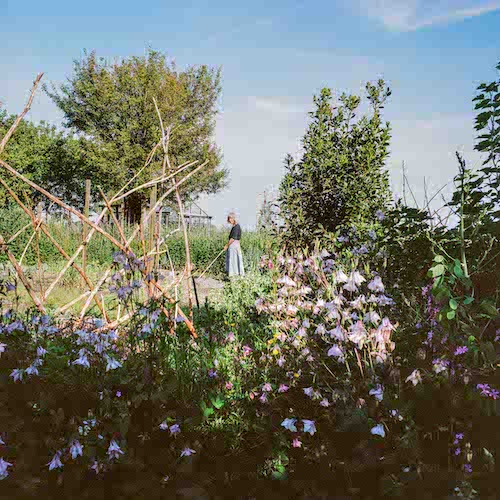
[(340, 179)]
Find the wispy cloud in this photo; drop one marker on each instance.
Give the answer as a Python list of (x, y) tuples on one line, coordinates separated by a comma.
[(412, 15)]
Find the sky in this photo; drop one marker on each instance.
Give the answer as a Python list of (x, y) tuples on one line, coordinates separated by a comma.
[(274, 57)]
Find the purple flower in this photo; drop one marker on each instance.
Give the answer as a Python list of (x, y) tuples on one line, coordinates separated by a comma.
[(308, 391), (289, 424), (3, 468), (296, 443), (380, 215), (325, 403), (212, 373), (175, 429), (17, 374), (246, 350), (468, 468), (10, 287), (76, 450), (114, 450), (118, 394), (461, 350), (55, 463), (267, 387), (230, 337), (187, 452), (309, 426), (283, 388), (457, 451)]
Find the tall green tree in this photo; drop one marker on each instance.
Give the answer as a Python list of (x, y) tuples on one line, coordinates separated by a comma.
[(45, 155), (340, 179), (110, 105)]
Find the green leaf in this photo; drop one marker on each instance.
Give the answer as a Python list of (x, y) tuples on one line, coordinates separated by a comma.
[(437, 270), (450, 315), (453, 304), (468, 300), (489, 309), (438, 258)]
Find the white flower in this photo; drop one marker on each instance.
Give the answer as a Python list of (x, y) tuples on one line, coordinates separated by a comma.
[(324, 254), (76, 450), (164, 425), (372, 317), (325, 403), (306, 323), (291, 310), (376, 285), (414, 377), (439, 366), (3, 468), (378, 430), (358, 334), (340, 277)]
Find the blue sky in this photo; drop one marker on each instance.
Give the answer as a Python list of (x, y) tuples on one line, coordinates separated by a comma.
[(274, 57)]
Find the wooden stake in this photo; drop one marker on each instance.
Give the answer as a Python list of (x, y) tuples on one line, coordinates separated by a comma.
[(85, 227)]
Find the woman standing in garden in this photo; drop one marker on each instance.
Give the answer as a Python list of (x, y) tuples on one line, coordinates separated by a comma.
[(234, 258)]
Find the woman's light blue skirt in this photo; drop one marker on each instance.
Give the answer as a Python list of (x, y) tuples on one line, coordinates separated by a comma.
[(234, 260)]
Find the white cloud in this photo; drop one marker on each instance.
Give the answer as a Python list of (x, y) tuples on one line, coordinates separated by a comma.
[(411, 15)]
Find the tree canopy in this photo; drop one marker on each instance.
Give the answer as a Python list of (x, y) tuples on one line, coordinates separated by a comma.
[(340, 178), (110, 105)]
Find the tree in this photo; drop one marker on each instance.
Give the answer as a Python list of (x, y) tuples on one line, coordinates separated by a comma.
[(110, 106), (339, 179), (45, 155)]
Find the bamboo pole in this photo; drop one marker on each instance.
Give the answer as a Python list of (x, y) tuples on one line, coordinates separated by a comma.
[(85, 227)]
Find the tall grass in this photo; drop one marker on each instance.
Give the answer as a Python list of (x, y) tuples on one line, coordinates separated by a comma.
[(205, 244)]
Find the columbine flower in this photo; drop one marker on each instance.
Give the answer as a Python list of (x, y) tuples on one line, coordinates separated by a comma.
[(309, 391), (229, 386), (309, 426), (3, 468), (76, 450), (377, 392), (372, 317), (376, 285), (296, 443), (187, 452), (164, 425), (267, 387), (2, 348), (289, 424), (280, 361), (82, 360), (337, 352), (380, 215), (263, 398), (414, 377), (461, 350), (283, 388), (230, 337), (40, 351), (378, 430), (439, 365), (114, 450), (55, 463), (341, 277), (112, 364), (246, 350), (175, 429), (358, 334), (468, 468), (212, 373), (17, 374), (32, 370), (325, 403)]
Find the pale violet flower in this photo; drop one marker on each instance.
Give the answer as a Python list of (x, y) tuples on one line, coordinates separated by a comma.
[(380, 215), (309, 426), (175, 429), (372, 317), (283, 388), (32, 370), (17, 374), (112, 364), (2, 348), (378, 430), (114, 450), (376, 285), (3, 468), (324, 254), (55, 463), (296, 443), (325, 403), (187, 452), (355, 279), (320, 330), (309, 391), (76, 450), (439, 366), (82, 360), (358, 334), (341, 277), (378, 393), (337, 352), (414, 377), (40, 351), (289, 424), (306, 323), (267, 387), (338, 333), (164, 425)]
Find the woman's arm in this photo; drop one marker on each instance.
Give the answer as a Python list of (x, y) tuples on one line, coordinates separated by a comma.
[(228, 244)]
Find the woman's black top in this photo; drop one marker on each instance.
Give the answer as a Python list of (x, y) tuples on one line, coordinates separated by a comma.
[(235, 233)]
